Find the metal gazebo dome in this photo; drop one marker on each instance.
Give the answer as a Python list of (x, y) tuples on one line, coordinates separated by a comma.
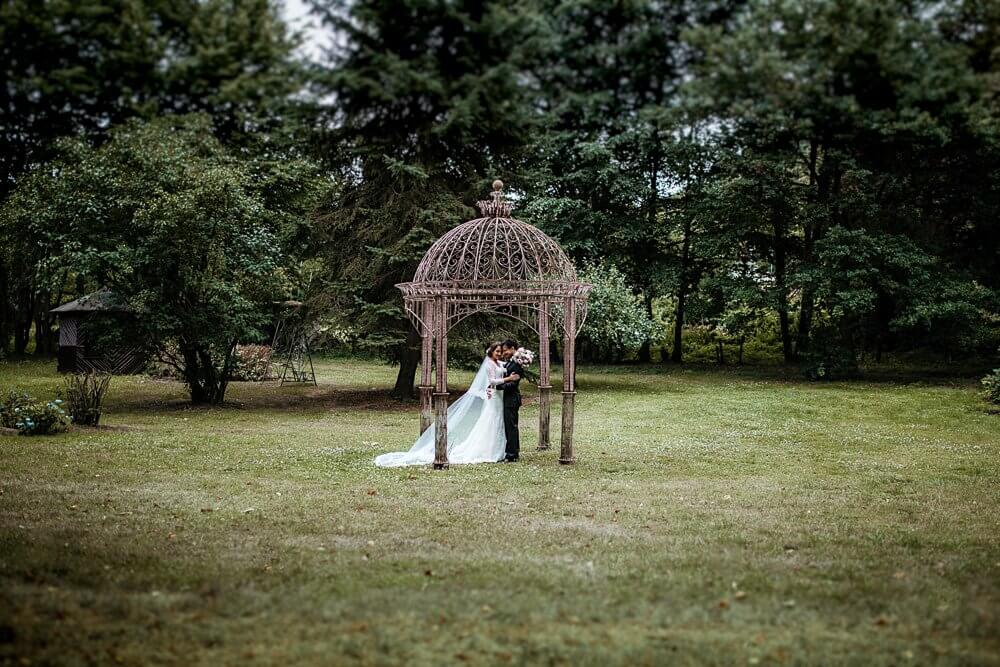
[(496, 251), (500, 265)]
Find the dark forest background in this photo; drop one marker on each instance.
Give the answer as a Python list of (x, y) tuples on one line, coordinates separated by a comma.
[(810, 182)]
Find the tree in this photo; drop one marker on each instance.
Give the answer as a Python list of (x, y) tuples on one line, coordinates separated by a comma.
[(83, 67), (617, 321), (190, 239), (609, 76), (428, 110), (867, 121)]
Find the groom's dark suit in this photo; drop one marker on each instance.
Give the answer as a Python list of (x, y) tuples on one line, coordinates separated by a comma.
[(511, 405)]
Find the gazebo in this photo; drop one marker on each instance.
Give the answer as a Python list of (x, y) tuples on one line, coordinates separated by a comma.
[(495, 264), (74, 355)]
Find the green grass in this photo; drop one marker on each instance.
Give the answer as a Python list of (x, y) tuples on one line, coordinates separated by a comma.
[(713, 517)]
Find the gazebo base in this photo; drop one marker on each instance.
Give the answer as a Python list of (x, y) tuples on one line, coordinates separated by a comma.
[(544, 403), (566, 445)]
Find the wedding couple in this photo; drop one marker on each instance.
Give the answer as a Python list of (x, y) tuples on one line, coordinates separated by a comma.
[(482, 424)]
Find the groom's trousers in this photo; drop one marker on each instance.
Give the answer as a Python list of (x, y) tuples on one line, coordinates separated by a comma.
[(510, 430)]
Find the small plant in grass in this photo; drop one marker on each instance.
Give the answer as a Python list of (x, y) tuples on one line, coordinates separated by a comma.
[(10, 404), (84, 396), (991, 387), (41, 418)]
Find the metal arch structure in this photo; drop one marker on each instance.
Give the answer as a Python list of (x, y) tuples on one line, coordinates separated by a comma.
[(496, 264)]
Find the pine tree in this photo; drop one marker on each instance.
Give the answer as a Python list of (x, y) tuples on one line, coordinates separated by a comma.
[(427, 109)]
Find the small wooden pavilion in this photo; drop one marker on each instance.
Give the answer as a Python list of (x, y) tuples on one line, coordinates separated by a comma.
[(74, 357), (495, 264)]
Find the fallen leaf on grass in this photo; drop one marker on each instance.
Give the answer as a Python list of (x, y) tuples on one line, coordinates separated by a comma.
[(740, 595), (723, 604), (882, 620)]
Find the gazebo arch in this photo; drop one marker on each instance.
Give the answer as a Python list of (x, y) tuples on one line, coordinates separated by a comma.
[(495, 264)]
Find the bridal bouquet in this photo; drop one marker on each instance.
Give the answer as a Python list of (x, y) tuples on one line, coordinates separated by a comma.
[(524, 357)]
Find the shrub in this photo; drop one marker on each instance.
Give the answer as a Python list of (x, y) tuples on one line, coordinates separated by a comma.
[(10, 405), (41, 418), (252, 363), (84, 395), (991, 387)]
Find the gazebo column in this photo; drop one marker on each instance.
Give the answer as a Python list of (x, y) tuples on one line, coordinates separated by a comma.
[(544, 383), (426, 362), (569, 382), (441, 388)]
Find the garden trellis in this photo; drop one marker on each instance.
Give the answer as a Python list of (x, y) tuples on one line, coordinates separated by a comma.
[(495, 264)]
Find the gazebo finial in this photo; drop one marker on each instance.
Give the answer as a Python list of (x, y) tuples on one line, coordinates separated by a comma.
[(499, 207)]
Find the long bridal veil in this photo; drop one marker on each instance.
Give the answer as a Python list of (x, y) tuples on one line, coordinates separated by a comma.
[(475, 429)]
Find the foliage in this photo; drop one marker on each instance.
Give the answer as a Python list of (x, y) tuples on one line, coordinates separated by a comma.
[(37, 418), (11, 405), (616, 318), (854, 118), (428, 111), (81, 68), (85, 395), (252, 363), (991, 387), (186, 236)]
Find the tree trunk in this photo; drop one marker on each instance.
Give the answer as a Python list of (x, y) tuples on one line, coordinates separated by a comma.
[(44, 343), (409, 359), (805, 322), (645, 352), (740, 361), (5, 311), (22, 320), (206, 384), (780, 261), (677, 355)]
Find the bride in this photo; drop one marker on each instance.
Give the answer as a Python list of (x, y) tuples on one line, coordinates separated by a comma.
[(475, 423)]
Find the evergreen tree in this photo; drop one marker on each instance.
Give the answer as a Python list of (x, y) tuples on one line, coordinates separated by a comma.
[(427, 109), (868, 121)]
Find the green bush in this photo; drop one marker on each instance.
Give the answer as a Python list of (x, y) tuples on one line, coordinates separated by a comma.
[(10, 405), (991, 387), (41, 418), (84, 395)]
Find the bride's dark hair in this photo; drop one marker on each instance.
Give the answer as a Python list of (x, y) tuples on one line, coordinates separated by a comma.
[(492, 346)]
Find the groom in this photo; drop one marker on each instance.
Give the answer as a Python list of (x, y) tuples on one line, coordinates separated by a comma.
[(511, 401)]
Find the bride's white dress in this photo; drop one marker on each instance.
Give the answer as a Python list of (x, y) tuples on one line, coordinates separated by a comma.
[(475, 426)]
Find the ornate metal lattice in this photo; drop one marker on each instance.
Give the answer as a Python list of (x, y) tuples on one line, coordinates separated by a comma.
[(496, 264)]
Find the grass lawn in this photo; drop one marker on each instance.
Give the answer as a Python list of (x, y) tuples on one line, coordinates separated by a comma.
[(713, 517)]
